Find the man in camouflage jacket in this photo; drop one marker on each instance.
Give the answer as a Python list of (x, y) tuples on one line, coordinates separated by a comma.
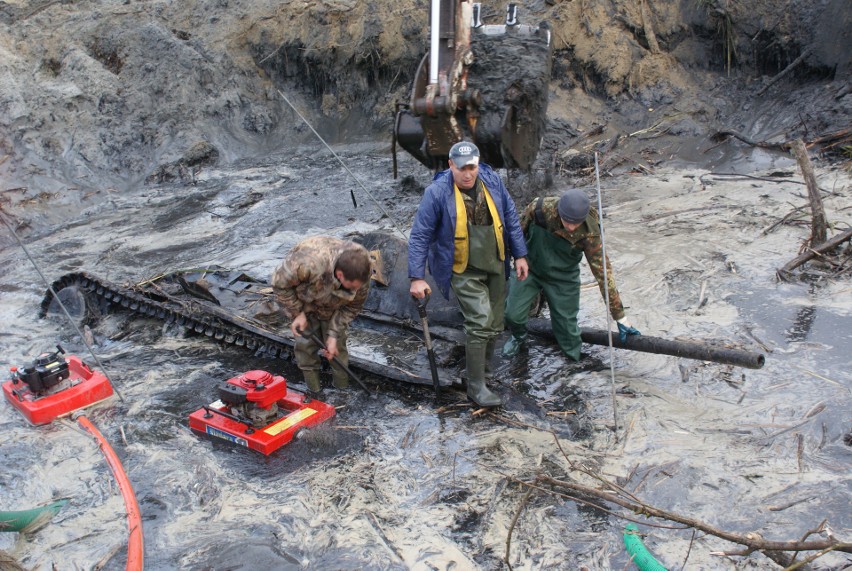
[(559, 231), (322, 284)]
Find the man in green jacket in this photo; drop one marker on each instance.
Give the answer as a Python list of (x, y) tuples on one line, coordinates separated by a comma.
[(559, 231)]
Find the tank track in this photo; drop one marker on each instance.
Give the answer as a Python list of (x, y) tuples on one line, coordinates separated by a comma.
[(201, 317), (189, 314)]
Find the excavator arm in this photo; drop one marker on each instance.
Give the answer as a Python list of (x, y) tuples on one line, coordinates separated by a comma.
[(482, 83)]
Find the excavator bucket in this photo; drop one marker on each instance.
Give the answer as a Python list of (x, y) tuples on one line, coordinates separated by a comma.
[(482, 83)]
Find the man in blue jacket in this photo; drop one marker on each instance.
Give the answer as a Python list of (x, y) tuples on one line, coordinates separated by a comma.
[(467, 226)]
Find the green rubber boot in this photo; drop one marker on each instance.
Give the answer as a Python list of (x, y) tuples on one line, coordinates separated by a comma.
[(489, 359), (476, 389), (312, 379), (514, 344), (340, 382)]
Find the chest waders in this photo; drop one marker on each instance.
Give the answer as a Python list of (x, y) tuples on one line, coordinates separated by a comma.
[(308, 359), (481, 293), (554, 271)]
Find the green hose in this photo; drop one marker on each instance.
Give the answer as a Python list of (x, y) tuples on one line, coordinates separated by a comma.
[(30, 520), (638, 552)]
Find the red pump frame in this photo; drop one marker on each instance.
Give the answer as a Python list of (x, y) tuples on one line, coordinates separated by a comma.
[(299, 413), (89, 387)]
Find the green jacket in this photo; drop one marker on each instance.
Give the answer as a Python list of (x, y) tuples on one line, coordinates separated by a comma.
[(586, 238)]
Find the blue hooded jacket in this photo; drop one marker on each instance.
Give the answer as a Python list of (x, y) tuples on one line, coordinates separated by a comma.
[(432, 235)]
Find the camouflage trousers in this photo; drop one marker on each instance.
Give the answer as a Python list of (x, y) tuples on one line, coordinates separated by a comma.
[(309, 360)]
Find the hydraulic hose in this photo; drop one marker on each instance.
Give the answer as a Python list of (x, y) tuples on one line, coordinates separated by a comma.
[(639, 554), (689, 350), (135, 542)]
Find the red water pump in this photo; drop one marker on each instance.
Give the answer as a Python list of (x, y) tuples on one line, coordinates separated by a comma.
[(55, 385), (257, 410), (254, 396)]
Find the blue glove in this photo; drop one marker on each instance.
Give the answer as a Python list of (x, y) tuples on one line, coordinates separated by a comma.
[(625, 329)]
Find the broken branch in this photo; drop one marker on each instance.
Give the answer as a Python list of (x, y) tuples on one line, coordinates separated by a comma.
[(523, 503), (750, 540), (786, 70), (784, 273), (818, 227)]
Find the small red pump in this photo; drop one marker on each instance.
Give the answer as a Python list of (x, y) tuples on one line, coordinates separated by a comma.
[(257, 410), (55, 385)]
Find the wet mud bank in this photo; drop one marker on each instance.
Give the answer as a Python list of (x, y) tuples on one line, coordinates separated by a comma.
[(127, 93)]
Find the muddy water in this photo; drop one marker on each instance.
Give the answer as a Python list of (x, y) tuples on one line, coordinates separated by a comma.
[(393, 484)]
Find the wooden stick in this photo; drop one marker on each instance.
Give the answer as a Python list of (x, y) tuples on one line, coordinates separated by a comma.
[(787, 217), (786, 70), (818, 227), (784, 272), (719, 135), (748, 539), (512, 525), (374, 522), (763, 178)]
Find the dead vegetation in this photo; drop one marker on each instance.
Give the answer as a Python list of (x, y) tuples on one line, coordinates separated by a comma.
[(817, 245), (584, 483)]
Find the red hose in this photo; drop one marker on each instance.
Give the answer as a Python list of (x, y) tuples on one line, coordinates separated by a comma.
[(135, 544)]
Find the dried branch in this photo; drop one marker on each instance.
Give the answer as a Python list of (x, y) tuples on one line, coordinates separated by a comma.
[(786, 70), (521, 506), (720, 136), (784, 273), (751, 540), (818, 226)]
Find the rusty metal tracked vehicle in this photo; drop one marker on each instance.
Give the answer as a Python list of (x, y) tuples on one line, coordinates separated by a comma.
[(235, 308)]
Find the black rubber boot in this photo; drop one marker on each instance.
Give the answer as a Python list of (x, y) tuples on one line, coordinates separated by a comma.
[(476, 389), (514, 344)]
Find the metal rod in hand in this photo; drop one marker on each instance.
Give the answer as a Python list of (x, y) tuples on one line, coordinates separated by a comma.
[(421, 309), (315, 338), (606, 297)]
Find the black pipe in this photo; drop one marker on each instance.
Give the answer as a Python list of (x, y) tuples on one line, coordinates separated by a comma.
[(688, 350)]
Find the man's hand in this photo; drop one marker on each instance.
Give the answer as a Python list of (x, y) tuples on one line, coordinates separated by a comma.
[(331, 348), (419, 288), (625, 329), (300, 323), (522, 269)]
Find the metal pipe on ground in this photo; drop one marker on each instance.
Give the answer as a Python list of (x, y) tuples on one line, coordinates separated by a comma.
[(660, 346), (686, 349)]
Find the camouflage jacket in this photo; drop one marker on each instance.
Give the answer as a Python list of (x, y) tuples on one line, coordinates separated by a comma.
[(305, 281), (586, 238)]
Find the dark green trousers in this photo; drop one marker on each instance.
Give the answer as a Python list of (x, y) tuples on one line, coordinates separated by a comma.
[(555, 272)]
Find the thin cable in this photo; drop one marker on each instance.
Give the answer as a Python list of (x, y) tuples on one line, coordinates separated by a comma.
[(62, 305), (385, 212), (606, 298)]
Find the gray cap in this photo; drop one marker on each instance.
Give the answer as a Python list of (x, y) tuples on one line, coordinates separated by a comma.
[(573, 206), (464, 153)]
